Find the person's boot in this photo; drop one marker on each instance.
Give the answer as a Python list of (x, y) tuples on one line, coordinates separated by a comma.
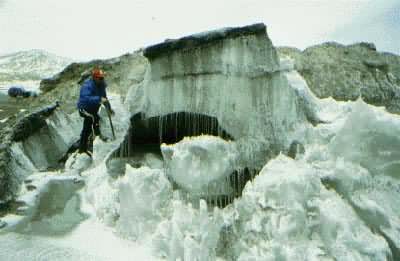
[(103, 138), (87, 152)]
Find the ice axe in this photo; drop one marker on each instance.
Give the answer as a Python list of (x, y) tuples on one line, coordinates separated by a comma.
[(109, 112)]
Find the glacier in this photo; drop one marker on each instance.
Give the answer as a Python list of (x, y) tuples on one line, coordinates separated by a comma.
[(228, 187)]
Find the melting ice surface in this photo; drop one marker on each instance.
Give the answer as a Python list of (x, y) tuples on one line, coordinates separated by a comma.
[(195, 162), (337, 201)]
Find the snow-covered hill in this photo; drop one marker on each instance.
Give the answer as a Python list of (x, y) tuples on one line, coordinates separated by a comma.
[(27, 68)]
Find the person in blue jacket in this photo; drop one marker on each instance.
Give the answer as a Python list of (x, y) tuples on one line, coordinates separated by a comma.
[(92, 95)]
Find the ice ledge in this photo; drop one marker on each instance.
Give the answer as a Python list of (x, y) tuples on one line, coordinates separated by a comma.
[(40, 189), (199, 39)]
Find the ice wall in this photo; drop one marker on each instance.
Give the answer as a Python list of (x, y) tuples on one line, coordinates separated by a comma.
[(43, 149), (231, 74)]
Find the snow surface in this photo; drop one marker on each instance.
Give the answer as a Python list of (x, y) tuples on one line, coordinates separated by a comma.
[(286, 213), (331, 203)]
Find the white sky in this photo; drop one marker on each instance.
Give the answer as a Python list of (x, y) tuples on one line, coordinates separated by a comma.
[(87, 29)]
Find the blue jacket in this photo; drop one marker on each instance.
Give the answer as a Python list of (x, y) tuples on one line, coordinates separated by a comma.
[(90, 96)]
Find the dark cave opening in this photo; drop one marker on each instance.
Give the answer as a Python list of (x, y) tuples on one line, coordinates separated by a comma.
[(145, 136), (149, 133)]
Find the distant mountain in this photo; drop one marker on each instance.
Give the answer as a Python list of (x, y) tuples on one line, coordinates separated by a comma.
[(27, 68)]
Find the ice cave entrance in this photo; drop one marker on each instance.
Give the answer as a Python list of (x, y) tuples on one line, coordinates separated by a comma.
[(145, 136)]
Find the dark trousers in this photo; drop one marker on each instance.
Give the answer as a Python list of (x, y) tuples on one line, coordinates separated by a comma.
[(90, 126)]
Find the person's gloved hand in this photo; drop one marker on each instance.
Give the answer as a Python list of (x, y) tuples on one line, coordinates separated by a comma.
[(107, 105)]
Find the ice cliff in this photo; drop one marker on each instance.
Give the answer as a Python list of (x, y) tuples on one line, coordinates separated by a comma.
[(232, 75)]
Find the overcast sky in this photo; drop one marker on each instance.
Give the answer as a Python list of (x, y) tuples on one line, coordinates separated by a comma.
[(87, 29)]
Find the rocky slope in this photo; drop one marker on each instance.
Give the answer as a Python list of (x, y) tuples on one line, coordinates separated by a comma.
[(347, 72), (121, 73)]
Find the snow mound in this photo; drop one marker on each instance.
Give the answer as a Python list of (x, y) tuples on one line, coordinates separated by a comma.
[(143, 194), (190, 234), (193, 163), (78, 162), (286, 213), (370, 138)]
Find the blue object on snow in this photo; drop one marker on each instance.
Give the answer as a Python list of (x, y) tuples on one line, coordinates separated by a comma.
[(16, 91), (19, 91)]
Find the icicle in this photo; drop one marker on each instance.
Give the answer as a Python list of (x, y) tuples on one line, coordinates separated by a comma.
[(185, 119), (119, 152), (160, 128), (122, 149), (201, 118), (130, 142), (201, 124), (208, 192), (194, 124), (125, 149), (190, 124), (176, 126), (208, 126), (216, 127), (210, 123), (187, 123), (235, 183), (197, 124), (239, 181)]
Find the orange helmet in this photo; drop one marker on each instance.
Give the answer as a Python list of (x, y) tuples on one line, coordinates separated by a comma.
[(98, 73)]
